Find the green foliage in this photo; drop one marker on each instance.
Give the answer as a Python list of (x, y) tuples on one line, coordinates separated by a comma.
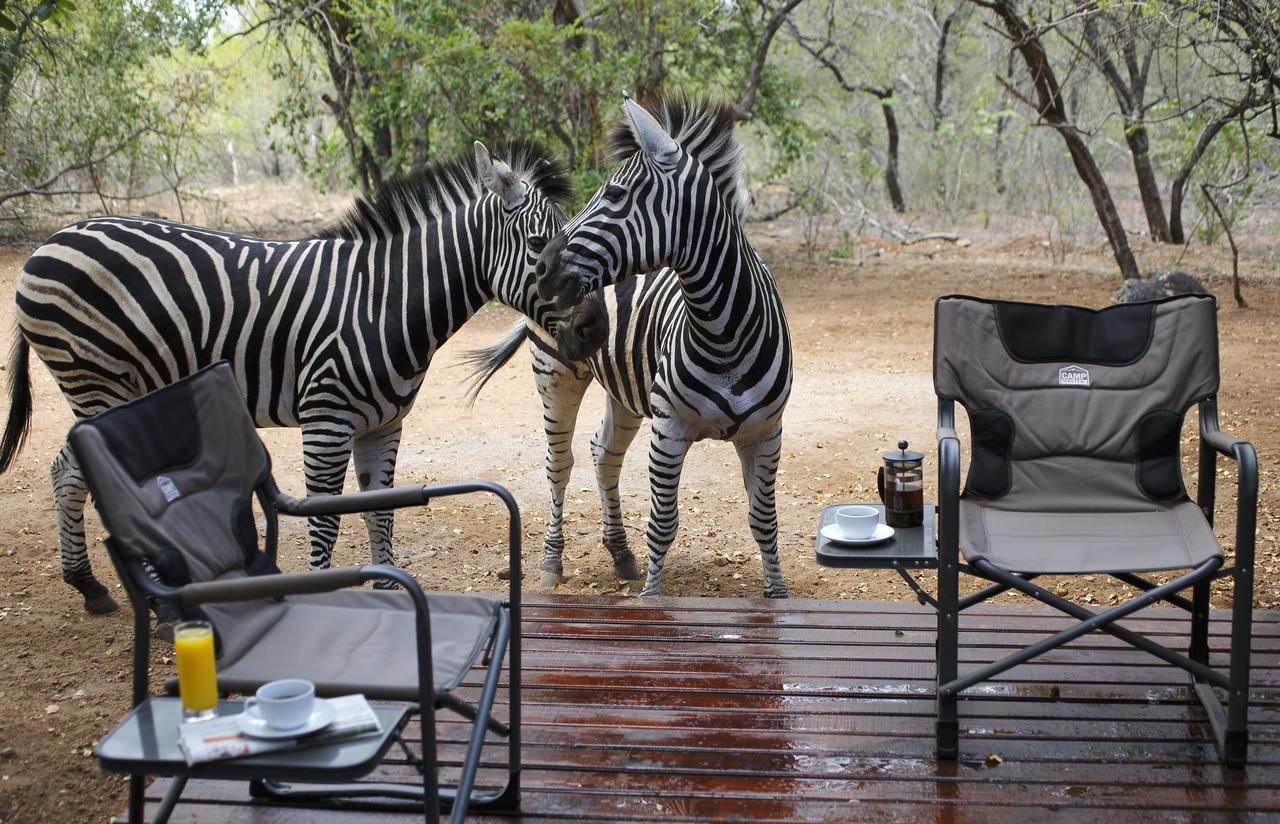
[(88, 105), (425, 82)]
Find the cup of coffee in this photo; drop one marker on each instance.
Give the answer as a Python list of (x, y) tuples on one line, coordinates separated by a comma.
[(283, 704), (856, 522)]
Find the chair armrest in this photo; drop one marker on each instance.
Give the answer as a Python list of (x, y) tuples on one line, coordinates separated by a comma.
[(948, 464), (352, 503), (1211, 434), (403, 496), (1222, 442), (275, 586)]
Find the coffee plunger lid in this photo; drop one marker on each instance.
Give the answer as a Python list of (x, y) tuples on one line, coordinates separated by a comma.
[(902, 455)]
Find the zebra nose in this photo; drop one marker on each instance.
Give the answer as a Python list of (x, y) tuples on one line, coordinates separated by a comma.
[(548, 266)]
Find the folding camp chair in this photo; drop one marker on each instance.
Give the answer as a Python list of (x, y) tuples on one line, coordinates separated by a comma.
[(1076, 417), (174, 475)]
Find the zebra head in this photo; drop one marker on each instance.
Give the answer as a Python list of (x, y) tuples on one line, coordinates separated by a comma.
[(528, 188), (585, 329), (679, 182)]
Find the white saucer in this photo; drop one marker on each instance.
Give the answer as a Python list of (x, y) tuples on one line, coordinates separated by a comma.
[(882, 533), (256, 726)]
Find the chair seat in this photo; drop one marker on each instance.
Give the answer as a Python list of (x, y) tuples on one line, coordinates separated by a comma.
[(1176, 537), (361, 641)]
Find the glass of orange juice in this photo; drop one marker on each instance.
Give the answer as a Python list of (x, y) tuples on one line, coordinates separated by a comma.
[(197, 678)]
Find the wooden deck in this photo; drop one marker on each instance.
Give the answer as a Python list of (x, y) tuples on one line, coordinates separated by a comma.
[(691, 709)]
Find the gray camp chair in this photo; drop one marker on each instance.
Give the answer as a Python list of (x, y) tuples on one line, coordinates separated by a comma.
[(1076, 417), (174, 475)]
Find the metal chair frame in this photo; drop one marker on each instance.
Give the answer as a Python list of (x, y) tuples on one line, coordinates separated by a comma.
[(139, 585), (1230, 724)]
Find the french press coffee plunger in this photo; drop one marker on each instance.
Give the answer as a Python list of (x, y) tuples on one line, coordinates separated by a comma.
[(901, 485)]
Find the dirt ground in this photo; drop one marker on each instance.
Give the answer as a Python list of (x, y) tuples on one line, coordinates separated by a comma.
[(862, 335)]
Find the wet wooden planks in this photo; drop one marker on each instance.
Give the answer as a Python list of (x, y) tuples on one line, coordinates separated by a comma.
[(699, 709)]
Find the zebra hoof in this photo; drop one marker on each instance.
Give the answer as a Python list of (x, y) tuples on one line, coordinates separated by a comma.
[(550, 580), (627, 570), (164, 629), (777, 593), (167, 617), (385, 585), (101, 604)]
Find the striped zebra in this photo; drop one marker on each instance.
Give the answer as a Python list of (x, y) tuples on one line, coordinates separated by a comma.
[(704, 352), (625, 318), (332, 333)]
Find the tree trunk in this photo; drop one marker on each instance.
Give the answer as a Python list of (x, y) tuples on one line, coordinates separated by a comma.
[(1051, 110), (891, 156), (1148, 188), (1178, 188), (743, 109), (940, 67), (421, 139), (1002, 124)]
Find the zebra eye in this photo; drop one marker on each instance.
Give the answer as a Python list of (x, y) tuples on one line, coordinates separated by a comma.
[(614, 193), (536, 244)]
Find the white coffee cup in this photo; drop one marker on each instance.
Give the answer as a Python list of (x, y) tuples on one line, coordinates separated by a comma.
[(283, 704), (857, 521)]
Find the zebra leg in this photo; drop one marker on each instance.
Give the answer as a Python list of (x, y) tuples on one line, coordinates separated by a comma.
[(608, 449), (326, 449), (374, 454), (561, 389), (759, 476), (69, 496), (666, 461)]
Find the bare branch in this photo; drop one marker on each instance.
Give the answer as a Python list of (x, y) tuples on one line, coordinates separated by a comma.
[(743, 109), (42, 187)]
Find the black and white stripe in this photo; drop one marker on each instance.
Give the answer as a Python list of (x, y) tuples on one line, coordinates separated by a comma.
[(714, 363), (332, 333)]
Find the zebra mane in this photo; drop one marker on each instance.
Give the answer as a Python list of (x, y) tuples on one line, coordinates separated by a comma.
[(427, 194), (704, 129)]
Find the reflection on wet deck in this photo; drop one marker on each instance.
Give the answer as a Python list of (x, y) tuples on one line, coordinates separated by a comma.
[(671, 709)]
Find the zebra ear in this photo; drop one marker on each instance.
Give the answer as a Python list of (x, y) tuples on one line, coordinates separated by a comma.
[(653, 139), (499, 178)]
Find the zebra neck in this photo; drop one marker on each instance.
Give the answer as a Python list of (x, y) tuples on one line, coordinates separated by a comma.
[(721, 280), (448, 284)]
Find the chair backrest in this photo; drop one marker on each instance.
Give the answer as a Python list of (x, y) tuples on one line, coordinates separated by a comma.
[(176, 470), (1075, 409)]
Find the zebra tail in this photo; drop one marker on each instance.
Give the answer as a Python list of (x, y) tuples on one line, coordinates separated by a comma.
[(19, 423), (486, 362)]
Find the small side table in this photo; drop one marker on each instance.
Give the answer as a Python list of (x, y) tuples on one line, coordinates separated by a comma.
[(913, 548), (909, 548), (145, 742)]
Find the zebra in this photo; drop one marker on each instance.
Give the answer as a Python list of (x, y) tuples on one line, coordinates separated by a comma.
[(564, 367), (715, 363), (332, 333)]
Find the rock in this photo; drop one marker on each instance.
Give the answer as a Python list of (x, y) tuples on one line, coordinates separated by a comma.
[(8, 752), (51, 709), (1157, 286)]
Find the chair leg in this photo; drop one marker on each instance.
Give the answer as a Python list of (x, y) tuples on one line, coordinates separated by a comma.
[(137, 798), (483, 710), (1235, 746), (1199, 649), (946, 654)]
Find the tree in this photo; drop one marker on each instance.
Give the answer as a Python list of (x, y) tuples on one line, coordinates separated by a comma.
[(76, 95), (1050, 105), (1244, 37), (1106, 31), (833, 50), (406, 84)]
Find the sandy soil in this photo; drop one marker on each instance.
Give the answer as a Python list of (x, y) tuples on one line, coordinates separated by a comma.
[(861, 327)]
